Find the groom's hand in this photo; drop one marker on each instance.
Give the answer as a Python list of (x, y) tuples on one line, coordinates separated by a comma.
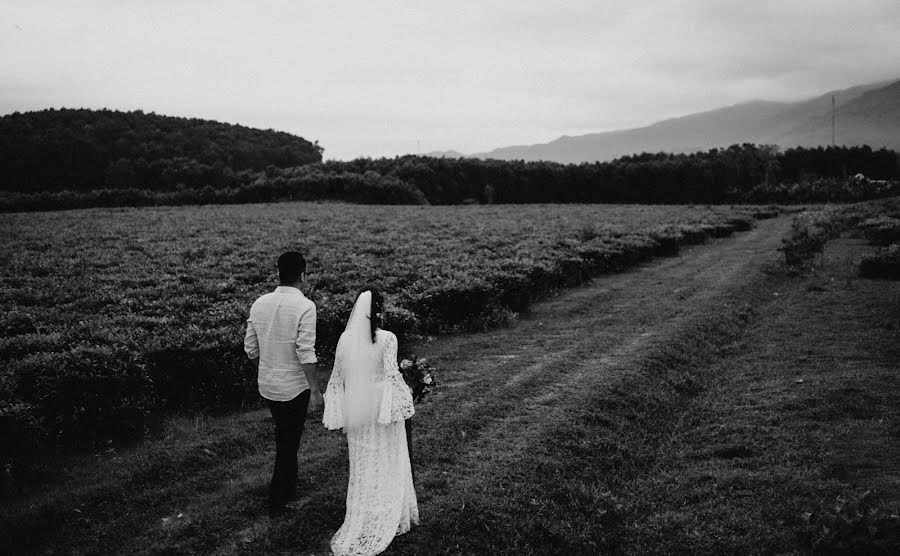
[(315, 400), (312, 379)]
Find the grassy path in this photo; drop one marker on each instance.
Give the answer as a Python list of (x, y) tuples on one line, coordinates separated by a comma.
[(806, 410), (574, 431)]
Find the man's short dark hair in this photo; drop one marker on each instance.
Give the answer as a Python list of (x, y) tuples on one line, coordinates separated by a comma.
[(290, 266)]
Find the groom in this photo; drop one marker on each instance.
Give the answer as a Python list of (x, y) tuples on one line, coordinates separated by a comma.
[(281, 340)]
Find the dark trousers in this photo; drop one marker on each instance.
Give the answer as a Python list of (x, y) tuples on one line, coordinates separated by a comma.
[(289, 416)]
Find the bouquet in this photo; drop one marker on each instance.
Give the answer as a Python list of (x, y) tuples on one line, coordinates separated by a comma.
[(418, 376)]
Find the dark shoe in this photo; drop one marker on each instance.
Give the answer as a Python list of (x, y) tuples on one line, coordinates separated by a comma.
[(289, 508)]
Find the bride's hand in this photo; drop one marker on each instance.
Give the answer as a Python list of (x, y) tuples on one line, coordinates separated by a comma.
[(315, 401)]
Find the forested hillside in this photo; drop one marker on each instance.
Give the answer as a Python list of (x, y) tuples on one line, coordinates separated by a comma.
[(80, 150), (64, 159)]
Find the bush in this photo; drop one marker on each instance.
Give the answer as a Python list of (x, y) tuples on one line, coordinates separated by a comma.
[(810, 231), (882, 230), (210, 376), (883, 264), (152, 318), (771, 211), (305, 183), (23, 432), (82, 395), (855, 524), (821, 190)]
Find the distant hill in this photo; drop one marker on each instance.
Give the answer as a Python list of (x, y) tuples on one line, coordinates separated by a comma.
[(872, 117), (865, 115), (88, 149)]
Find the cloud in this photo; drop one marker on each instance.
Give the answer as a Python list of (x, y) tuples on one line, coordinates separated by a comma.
[(369, 77)]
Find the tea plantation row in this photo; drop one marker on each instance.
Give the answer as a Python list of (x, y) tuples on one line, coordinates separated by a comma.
[(111, 317)]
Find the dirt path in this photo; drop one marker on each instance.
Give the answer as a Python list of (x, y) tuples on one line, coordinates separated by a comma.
[(503, 395), (497, 379), (513, 390)]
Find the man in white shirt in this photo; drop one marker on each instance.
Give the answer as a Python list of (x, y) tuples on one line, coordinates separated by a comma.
[(281, 340)]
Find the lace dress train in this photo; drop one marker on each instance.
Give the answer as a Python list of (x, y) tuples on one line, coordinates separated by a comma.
[(381, 499)]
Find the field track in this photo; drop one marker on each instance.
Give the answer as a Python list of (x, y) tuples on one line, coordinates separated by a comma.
[(536, 439)]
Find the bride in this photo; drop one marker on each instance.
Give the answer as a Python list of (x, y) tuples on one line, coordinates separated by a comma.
[(368, 398)]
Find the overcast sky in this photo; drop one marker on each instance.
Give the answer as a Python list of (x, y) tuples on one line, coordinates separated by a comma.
[(376, 78)]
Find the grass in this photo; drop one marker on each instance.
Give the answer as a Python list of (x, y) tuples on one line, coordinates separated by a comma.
[(704, 404), (803, 413), (146, 308)]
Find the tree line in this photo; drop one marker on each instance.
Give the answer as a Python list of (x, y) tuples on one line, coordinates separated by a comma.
[(739, 173), (78, 158)]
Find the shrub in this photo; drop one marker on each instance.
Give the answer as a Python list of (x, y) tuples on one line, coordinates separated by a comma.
[(809, 233), (199, 376), (23, 432), (771, 211), (152, 317), (17, 322), (85, 394), (885, 263), (882, 230), (855, 524)]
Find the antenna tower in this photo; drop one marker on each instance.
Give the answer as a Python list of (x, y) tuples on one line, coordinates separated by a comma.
[(832, 120)]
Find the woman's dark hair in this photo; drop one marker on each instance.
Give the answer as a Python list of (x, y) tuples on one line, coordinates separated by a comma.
[(375, 310)]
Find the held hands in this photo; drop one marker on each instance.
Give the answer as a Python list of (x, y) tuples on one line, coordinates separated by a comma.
[(310, 370), (315, 400)]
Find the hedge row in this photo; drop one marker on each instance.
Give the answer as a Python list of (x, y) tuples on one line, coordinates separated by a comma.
[(885, 263), (304, 184), (131, 314), (812, 229)]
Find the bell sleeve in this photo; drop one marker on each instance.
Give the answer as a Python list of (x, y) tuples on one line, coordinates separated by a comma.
[(333, 414), (396, 397)]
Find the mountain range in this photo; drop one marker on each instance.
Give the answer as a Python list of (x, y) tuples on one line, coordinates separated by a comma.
[(863, 115)]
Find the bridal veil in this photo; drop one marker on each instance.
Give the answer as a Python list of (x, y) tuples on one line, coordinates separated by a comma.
[(368, 398)]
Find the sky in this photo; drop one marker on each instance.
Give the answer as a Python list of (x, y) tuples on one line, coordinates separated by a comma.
[(376, 78)]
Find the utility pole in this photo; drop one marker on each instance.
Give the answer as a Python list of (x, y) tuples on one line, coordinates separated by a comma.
[(832, 120)]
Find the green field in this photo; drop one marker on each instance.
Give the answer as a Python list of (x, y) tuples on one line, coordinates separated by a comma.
[(716, 402), (112, 317)]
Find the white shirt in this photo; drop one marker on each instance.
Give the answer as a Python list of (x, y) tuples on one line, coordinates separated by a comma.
[(281, 331)]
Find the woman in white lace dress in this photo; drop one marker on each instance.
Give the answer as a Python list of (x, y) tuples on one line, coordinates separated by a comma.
[(367, 397)]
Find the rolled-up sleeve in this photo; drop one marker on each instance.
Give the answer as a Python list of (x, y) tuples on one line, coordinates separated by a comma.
[(251, 342), (306, 336)]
